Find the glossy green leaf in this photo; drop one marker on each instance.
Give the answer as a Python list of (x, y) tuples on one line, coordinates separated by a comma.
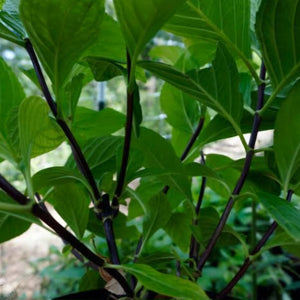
[(181, 109), (284, 213), (216, 87), (287, 137), (141, 19), (105, 69), (97, 151), (11, 95), (278, 31), (71, 201), (61, 31), (158, 213), (10, 225), (208, 20), (165, 284), (11, 28), (159, 154), (179, 229), (89, 123), (72, 93), (38, 133), (57, 176), (168, 54), (110, 43)]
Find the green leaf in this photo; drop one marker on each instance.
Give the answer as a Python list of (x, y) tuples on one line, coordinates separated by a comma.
[(278, 31), (11, 95), (38, 133), (287, 137), (72, 93), (10, 225), (159, 154), (91, 280), (208, 20), (284, 213), (61, 31), (141, 19), (57, 176), (181, 109), (105, 69), (165, 284), (72, 203), (1, 3), (158, 213), (179, 229), (137, 110), (216, 87), (110, 43), (168, 54), (121, 228), (89, 123), (11, 92)]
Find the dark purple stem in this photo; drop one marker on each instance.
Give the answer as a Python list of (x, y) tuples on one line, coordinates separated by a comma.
[(127, 140), (194, 245), (243, 269), (63, 233), (243, 176), (193, 139), (77, 153)]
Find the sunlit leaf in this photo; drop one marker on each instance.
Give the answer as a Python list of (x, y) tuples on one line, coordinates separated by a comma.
[(165, 284), (141, 19), (278, 31), (287, 137)]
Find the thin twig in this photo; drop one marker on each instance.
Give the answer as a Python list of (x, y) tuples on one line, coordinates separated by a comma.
[(243, 269), (193, 139), (243, 176)]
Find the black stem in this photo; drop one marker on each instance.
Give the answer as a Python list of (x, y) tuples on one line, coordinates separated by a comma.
[(63, 233), (193, 139), (194, 245), (127, 140), (74, 242), (243, 176), (111, 241), (243, 269), (12, 191), (77, 153)]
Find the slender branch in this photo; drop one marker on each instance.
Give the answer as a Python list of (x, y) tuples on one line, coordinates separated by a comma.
[(12, 191), (243, 176), (40, 76), (194, 245), (74, 242), (77, 153), (193, 139), (127, 140), (62, 232), (243, 269), (78, 156)]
